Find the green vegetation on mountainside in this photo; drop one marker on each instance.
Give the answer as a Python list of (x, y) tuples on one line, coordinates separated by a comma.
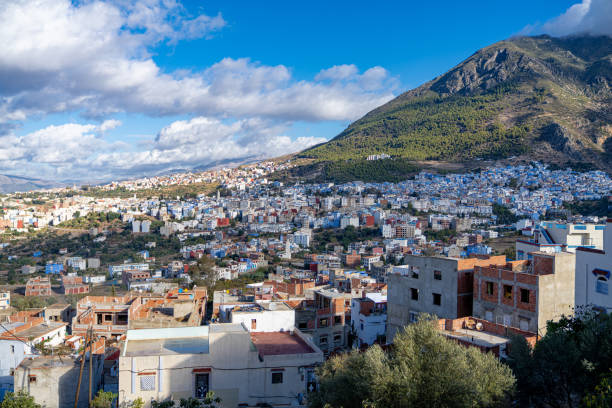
[(432, 128), (537, 98)]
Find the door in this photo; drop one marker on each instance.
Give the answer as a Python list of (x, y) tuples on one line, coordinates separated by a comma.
[(507, 320), (201, 385)]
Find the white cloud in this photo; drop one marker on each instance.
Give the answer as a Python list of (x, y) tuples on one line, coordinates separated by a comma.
[(587, 17), (109, 125), (338, 72), (204, 140), (51, 150), (79, 151), (94, 57)]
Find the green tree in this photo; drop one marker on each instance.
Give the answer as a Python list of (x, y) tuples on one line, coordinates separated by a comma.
[(602, 396), (209, 401), (203, 272), (423, 369), (103, 399), (19, 399), (567, 364)]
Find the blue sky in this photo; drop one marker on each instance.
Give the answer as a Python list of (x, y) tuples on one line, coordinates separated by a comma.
[(110, 89)]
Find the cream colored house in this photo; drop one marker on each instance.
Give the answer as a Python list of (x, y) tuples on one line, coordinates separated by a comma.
[(241, 367)]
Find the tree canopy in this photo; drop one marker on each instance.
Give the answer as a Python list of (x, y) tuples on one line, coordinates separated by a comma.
[(422, 369), (567, 364)]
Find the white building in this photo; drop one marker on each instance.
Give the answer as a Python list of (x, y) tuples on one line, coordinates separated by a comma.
[(5, 300), (135, 226), (145, 226), (573, 236), (17, 340), (94, 279), (77, 263), (369, 318), (118, 269), (593, 274), (551, 237), (387, 231), (263, 317), (302, 238), (93, 263), (347, 220), (242, 368)]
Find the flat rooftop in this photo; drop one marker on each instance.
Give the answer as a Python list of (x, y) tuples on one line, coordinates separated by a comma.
[(329, 293), (279, 343), (42, 362), (164, 347), (35, 331), (260, 307), (167, 341), (478, 338), (59, 306)]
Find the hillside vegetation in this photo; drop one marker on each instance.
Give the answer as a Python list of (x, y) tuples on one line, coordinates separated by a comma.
[(539, 98)]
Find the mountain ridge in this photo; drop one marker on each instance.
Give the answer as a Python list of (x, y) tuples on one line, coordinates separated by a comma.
[(537, 98)]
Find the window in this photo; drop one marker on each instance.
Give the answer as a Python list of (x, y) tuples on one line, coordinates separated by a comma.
[(337, 320), (414, 294), (413, 317), (438, 275), (601, 285), (253, 324), (437, 299), (32, 378), (201, 385), (490, 288), (507, 291), (108, 318), (415, 272), (323, 340), (147, 382), (337, 339), (12, 349), (525, 295), (277, 377), (323, 322), (361, 326), (302, 325)]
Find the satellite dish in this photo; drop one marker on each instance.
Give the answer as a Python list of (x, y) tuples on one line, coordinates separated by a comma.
[(479, 326)]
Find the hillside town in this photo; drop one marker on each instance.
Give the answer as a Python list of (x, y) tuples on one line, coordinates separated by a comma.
[(245, 291)]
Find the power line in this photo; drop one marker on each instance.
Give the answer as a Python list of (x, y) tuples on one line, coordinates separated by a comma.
[(14, 335)]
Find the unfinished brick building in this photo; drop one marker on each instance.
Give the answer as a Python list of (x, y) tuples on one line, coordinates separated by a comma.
[(526, 294), (38, 286)]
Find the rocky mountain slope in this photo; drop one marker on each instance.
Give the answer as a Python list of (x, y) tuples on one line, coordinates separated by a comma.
[(530, 98), (11, 184)]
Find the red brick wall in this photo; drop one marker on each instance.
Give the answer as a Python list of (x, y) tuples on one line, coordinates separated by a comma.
[(526, 278), (542, 265), (483, 291), (465, 282), (464, 305), (531, 306)]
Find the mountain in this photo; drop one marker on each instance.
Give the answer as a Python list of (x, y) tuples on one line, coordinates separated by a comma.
[(11, 184), (526, 98)]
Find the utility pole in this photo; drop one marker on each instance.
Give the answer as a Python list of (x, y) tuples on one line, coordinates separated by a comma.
[(90, 362), (76, 398)]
